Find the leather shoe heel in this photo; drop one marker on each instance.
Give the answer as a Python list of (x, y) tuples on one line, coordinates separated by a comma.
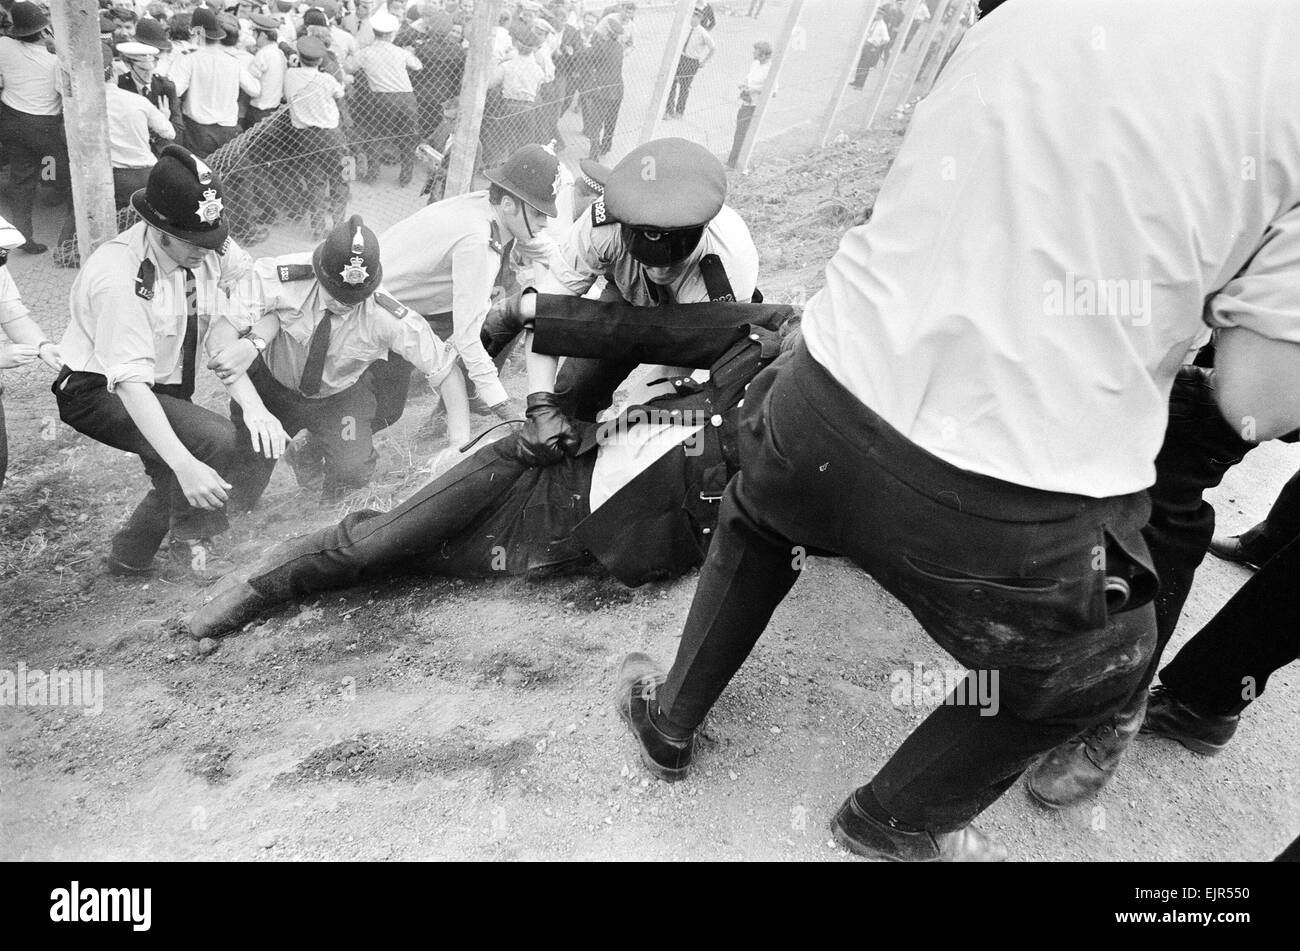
[(665, 756), (1203, 733), (857, 832)]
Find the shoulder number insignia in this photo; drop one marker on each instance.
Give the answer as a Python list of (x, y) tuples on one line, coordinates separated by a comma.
[(293, 272), (144, 279), (599, 216), (392, 305)]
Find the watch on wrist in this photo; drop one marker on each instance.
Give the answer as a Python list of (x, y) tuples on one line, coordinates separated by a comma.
[(258, 343)]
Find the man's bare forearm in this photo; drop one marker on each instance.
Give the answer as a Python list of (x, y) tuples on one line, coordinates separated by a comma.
[(1257, 383)]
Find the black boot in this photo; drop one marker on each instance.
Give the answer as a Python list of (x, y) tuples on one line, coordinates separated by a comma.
[(862, 834), (1204, 733), (1078, 768), (232, 608), (667, 756)]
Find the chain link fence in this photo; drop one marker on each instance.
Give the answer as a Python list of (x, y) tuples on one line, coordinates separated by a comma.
[(287, 184)]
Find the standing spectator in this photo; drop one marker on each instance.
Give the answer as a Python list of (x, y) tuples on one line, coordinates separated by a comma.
[(178, 33), (750, 90), (601, 82), (209, 81), (21, 340), (314, 114), (893, 15), (444, 68), (133, 120), (876, 44), (699, 49), (394, 116), (31, 120), (268, 68), (142, 76), (522, 78)]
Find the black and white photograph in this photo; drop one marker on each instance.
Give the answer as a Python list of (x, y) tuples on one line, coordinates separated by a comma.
[(676, 431)]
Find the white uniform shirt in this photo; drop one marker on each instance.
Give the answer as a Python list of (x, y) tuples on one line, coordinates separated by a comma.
[(386, 66), (268, 68), (131, 117), (699, 44), (118, 332), (29, 74), (366, 334), (523, 76), (444, 258), (1085, 182), (593, 250), (313, 97), (209, 79)]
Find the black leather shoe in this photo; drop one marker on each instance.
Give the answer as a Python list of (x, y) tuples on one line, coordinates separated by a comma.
[(1079, 768), (667, 757), (33, 247), (229, 610), (1204, 733), (1229, 548), (862, 835)]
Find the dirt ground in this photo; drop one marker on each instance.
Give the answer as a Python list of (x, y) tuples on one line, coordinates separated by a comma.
[(450, 720)]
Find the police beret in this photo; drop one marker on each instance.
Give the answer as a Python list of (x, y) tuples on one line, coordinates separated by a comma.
[(666, 184), (262, 21), (311, 48)]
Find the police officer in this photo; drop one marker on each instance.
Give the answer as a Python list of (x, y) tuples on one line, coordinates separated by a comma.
[(317, 321), (31, 120), (134, 122), (142, 75), (141, 307), (662, 235), (449, 259), (982, 455), (21, 340)]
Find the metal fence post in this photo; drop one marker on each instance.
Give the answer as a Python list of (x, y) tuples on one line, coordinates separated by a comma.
[(846, 73), (925, 37), (778, 60), (473, 96), (895, 54), (677, 34), (85, 119)]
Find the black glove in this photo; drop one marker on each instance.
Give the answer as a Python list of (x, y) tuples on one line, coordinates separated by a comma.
[(548, 435), (502, 324)]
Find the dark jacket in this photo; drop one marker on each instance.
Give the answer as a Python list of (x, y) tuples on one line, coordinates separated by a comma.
[(162, 93)]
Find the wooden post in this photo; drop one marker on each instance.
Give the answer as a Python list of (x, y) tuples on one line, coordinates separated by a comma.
[(924, 38), (895, 54), (778, 60), (846, 73), (473, 95), (85, 120), (954, 27), (677, 34)]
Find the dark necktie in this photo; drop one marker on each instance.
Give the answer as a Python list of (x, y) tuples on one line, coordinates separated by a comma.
[(662, 293), (312, 370), (190, 346), (503, 272)]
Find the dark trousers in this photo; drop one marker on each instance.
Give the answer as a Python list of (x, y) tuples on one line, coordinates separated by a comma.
[(1228, 663), (600, 110), (687, 67), (870, 56), (394, 121), (86, 405), (1279, 529), (126, 181), (586, 386), (1002, 577), (203, 139), (413, 537), (743, 118), (32, 141), (341, 426), (253, 115), (320, 154)]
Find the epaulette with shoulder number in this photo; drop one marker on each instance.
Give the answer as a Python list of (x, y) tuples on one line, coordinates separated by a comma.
[(599, 216), (391, 304), (294, 272), (144, 280)]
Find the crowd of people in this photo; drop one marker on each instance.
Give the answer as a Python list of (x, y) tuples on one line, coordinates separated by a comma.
[(926, 416)]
